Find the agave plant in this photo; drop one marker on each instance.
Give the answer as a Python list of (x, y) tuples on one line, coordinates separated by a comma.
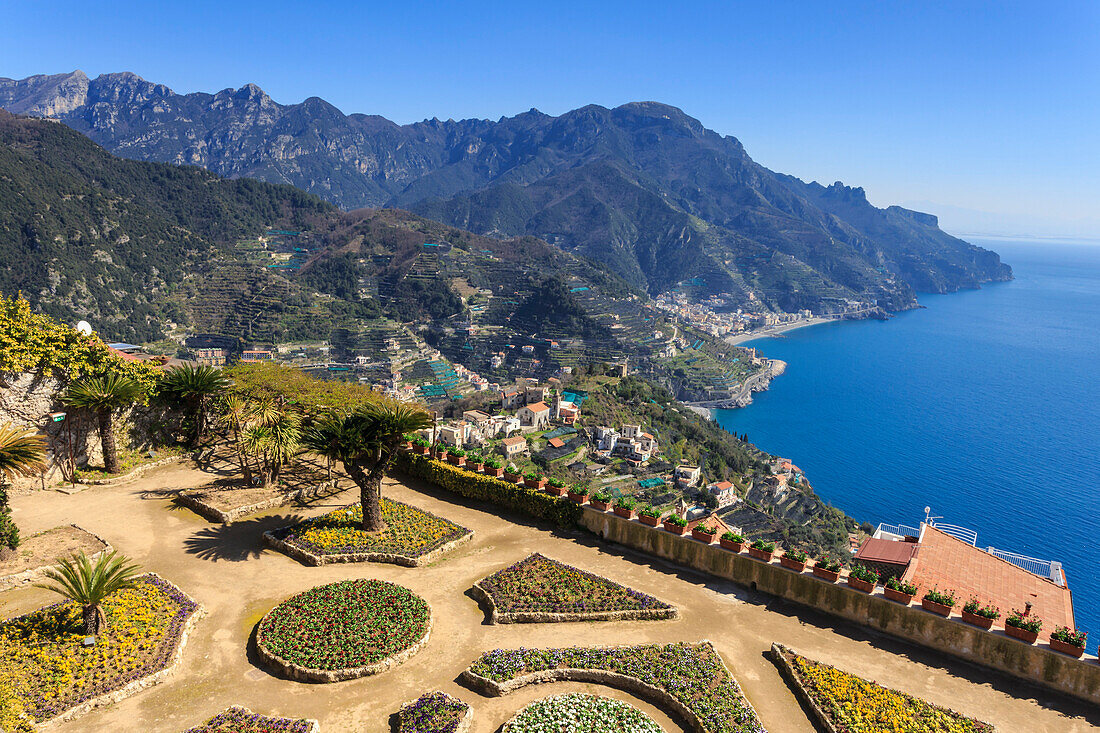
[(193, 387), (89, 584), (104, 395)]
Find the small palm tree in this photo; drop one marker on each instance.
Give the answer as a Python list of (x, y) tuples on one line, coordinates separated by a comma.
[(22, 453), (274, 440), (193, 387), (103, 395), (236, 411), (366, 440), (88, 584)]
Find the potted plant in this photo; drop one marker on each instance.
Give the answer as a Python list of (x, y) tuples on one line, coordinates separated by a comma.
[(828, 568), (535, 480), (457, 457), (939, 602), (421, 446), (862, 578), (493, 467), (475, 462), (762, 550), (732, 541), (408, 438), (441, 452), (601, 500), (704, 533), (1068, 642), (577, 494), (900, 590), (975, 614), (1022, 626), (512, 474), (793, 559), (624, 507), (650, 516), (676, 524)]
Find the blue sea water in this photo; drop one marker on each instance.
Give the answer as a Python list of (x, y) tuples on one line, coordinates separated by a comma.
[(984, 405)]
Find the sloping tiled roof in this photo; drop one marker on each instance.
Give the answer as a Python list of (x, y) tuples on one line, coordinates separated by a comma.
[(556, 443), (514, 441), (886, 551), (949, 563), (538, 407)]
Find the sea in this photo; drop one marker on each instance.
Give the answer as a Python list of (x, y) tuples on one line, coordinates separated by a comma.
[(983, 406)]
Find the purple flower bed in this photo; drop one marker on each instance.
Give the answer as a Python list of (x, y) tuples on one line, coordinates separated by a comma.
[(243, 720), (539, 584), (434, 712)]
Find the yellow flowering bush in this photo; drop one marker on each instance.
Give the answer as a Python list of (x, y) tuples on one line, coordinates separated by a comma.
[(48, 668), (856, 705)]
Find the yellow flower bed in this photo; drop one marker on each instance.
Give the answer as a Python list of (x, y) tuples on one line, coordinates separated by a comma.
[(48, 668), (857, 705), (409, 531)]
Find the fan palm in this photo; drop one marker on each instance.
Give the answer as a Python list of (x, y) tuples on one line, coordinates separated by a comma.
[(88, 584), (103, 395), (22, 453), (366, 441), (193, 387)]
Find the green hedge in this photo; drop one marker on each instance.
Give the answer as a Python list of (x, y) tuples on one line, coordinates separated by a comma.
[(558, 510)]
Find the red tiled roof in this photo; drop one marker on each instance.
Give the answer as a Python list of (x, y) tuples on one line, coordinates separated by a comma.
[(556, 443), (723, 485), (951, 564), (711, 520), (538, 407), (886, 551), (514, 441)]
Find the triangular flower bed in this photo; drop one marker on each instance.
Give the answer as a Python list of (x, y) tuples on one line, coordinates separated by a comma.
[(236, 719), (538, 589)]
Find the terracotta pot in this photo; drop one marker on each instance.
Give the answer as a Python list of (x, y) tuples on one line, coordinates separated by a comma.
[(407, 444), (649, 521), (897, 595), (934, 607), (761, 554), (423, 450), (512, 477), (535, 483), (731, 545), (975, 620), (456, 460), (1021, 634), (497, 472), (624, 513), (475, 467), (578, 498), (1065, 648), (862, 585), (792, 564), (603, 506), (675, 528), (826, 574), (705, 537), (555, 490)]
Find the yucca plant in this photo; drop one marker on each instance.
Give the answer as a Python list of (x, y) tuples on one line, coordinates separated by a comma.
[(192, 387), (89, 584), (104, 395)]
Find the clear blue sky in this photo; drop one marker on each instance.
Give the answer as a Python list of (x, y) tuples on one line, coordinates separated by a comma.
[(993, 106)]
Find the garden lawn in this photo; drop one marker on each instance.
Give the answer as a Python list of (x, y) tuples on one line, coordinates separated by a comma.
[(539, 584), (434, 712), (580, 714), (344, 625), (243, 720), (854, 704), (49, 669), (409, 531), (693, 674)]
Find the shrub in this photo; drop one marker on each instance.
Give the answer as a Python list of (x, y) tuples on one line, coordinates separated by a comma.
[(493, 463), (864, 573), (944, 598), (1028, 623), (602, 496), (578, 490), (902, 586), (533, 476), (457, 452), (975, 607), (626, 502), (763, 545), (796, 554), (1066, 635), (650, 511), (732, 537), (557, 483), (676, 520)]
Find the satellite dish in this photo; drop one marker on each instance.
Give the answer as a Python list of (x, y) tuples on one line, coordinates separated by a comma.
[(85, 328)]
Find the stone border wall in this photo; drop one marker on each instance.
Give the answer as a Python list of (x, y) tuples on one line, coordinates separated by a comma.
[(535, 617), (25, 577), (143, 683), (314, 726), (993, 649), (408, 561), (778, 655), (308, 674), (133, 473), (463, 725), (189, 499)]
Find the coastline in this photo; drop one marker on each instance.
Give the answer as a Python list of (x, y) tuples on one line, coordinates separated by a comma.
[(772, 331)]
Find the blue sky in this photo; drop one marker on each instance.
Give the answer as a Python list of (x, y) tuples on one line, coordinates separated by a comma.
[(991, 106)]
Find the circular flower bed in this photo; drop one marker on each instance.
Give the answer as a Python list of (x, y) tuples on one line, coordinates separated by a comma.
[(344, 630), (580, 714)]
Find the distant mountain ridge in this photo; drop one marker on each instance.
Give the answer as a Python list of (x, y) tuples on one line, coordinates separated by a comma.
[(643, 187)]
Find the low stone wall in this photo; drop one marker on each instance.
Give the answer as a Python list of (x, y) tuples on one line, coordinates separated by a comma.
[(534, 617), (313, 725), (408, 561), (27, 577), (131, 474), (190, 499), (1033, 663), (779, 655)]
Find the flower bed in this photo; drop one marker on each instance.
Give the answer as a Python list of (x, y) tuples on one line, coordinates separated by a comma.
[(242, 720), (843, 702), (344, 630), (412, 536), (580, 714), (434, 712), (688, 679), (53, 674), (538, 589)]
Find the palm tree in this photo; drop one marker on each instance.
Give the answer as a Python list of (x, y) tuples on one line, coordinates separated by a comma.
[(274, 439), (366, 441), (193, 387), (22, 453), (103, 395), (77, 579), (236, 411)]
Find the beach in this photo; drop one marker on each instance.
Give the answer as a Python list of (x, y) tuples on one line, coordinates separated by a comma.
[(772, 331)]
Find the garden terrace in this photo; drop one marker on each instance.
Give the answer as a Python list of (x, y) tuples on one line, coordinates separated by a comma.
[(344, 630), (434, 712), (242, 720), (691, 679), (412, 537), (54, 675), (576, 712), (538, 589), (843, 702)]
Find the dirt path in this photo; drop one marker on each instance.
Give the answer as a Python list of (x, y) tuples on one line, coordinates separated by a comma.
[(226, 569)]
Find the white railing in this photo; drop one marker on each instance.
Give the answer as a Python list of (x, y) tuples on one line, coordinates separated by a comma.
[(1043, 568), (898, 530), (968, 536)]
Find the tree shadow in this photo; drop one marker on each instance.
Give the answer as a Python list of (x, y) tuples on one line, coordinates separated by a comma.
[(235, 542)]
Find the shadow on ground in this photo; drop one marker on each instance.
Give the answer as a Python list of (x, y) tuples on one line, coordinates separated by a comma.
[(235, 542)]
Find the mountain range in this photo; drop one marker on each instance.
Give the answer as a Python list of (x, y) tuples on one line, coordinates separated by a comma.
[(642, 187)]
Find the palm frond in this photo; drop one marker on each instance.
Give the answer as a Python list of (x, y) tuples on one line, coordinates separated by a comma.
[(22, 452), (107, 392), (87, 583)]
